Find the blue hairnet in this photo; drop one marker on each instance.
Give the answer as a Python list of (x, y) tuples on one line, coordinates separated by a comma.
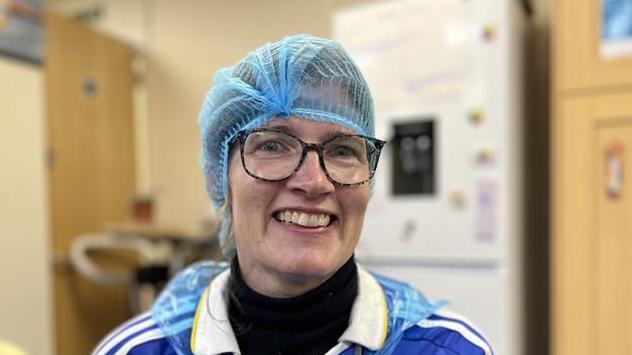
[(300, 76)]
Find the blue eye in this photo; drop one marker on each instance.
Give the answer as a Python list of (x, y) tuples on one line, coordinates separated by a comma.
[(342, 151), (271, 146)]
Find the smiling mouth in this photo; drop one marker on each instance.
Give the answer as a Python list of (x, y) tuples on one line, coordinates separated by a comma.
[(308, 220)]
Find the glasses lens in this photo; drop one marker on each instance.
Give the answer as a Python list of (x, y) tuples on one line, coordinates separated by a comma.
[(349, 159), (271, 155)]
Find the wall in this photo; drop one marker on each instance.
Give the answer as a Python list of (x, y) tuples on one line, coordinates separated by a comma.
[(24, 258)]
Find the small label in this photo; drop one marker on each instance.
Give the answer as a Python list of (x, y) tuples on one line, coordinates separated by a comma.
[(487, 219), (614, 170)]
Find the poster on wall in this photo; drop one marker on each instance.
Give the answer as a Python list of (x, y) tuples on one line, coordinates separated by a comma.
[(21, 29), (616, 29)]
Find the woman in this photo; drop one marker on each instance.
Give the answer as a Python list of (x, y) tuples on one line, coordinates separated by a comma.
[(288, 156)]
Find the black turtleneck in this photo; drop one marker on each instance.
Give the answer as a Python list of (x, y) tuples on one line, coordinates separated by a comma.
[(304, 325)]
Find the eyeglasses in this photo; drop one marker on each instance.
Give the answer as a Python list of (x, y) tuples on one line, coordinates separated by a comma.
[(272, 155)]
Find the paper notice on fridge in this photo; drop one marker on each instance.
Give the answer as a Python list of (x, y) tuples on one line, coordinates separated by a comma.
[(487, 211), (411, 50)]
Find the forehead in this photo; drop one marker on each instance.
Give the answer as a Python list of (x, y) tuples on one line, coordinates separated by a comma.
[(309, 129)]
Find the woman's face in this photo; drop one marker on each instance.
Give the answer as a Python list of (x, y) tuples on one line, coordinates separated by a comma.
[(282, 259)]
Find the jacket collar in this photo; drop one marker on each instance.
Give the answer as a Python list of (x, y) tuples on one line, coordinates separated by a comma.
[(212, 333)]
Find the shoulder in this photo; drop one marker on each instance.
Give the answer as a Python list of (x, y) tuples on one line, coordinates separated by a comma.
[(168, 324), (140, 335), (448, 333), (425, 327)]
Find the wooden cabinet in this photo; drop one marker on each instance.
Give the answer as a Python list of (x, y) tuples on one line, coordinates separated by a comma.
[(591, 245)]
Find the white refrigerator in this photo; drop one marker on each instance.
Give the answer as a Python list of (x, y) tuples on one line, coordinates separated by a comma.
[(446, 212)]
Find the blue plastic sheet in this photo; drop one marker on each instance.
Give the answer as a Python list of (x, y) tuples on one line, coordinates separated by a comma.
[(174, 308)]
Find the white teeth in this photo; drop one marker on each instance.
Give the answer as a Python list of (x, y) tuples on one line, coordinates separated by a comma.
[(304, 219)]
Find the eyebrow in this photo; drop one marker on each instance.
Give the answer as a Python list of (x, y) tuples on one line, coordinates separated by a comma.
[(282, 128), (336, 132), (332, 132)]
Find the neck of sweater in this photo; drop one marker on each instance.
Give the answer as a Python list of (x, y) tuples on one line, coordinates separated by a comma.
[(307, 324)]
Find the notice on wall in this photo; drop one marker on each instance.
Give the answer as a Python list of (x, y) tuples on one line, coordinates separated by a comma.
[(616, 29), (21, 34)]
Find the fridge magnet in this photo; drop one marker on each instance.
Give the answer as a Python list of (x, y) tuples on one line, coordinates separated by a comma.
[(458, 199), (476, 116), (489, 33), (485, 157), (614, 170)]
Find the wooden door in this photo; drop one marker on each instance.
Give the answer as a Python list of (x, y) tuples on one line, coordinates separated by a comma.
[(592, 245), (89, 114), (613, 249)]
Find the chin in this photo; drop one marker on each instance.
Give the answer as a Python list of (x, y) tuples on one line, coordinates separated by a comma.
[(305, 269)]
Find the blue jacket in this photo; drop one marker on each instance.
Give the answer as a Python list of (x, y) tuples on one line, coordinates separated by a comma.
[(388, 317)]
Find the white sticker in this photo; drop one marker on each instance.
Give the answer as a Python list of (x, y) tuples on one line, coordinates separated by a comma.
[(614, 170), (486, 219)]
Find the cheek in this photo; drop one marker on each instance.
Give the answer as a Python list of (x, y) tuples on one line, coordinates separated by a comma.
[(249, 198), (355, 203), (362, 198), (236, 182)]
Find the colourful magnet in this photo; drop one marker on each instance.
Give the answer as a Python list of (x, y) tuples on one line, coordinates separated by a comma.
[(477, 116), (614, 170), (489, 33), (485, 157), (457, 199)]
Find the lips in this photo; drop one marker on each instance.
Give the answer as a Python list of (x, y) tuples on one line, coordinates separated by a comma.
[(304, 219)]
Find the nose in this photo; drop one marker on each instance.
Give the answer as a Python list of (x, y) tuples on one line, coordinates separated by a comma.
[(310, 179)]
